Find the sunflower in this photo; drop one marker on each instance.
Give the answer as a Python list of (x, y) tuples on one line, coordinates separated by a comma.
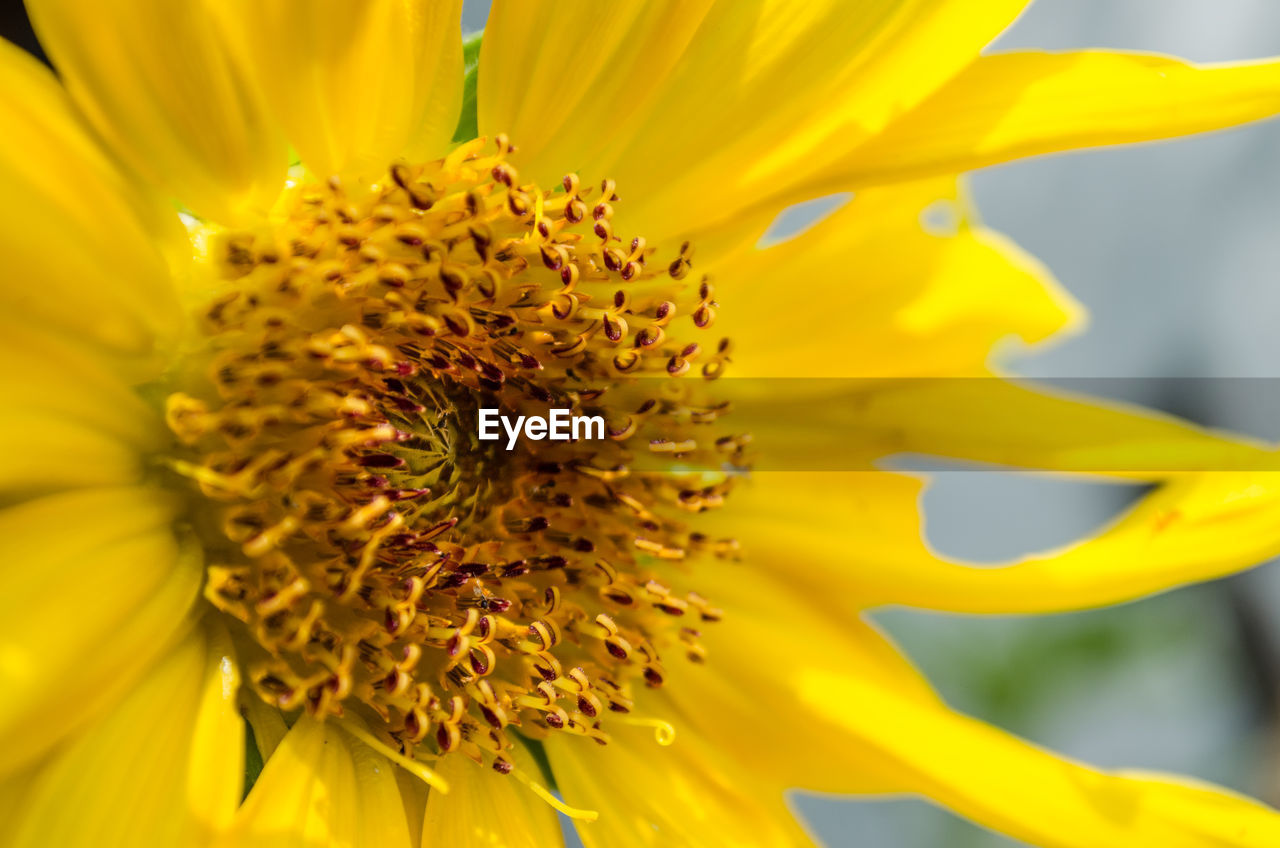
[(242, 432)]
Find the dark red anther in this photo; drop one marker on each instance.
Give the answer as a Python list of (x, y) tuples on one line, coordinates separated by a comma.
[(554, 720), (452, 581), (479, 664), (380, 460), (392, 621), (491, 717), (401, 174), (690, 350), (616, 650), (442, 737), (454, 645), (653, 677), (502, 174), (502, 766), (515, 569), (586, 707), (629, 271), (458, 328), (498, 605), (612, 329)]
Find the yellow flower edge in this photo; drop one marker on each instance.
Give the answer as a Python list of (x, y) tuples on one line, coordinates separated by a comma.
[(123, 686)]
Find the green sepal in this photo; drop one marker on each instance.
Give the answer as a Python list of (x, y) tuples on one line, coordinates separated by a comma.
[(468, 124), (252, 760)]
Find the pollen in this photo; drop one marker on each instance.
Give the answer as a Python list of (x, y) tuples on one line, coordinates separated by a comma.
[(377, 556)]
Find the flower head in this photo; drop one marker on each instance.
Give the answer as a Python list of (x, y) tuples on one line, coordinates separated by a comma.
[(246, 492)]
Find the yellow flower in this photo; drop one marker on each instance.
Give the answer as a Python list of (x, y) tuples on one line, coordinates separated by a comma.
[(240, 475)]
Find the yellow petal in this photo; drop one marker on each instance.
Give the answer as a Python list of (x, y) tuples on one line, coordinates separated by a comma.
[(165, 766), (46, 454), (92, 590), (774, 627), (74, 422), (65, 380), (357, 84), (1011, 786), (489, 810), (1011, 105), (701, 110), (847, 714), (870, 292), (681, 794), (159, 84), (77, 242), (322, 789), (988, 420), (1196, 528)]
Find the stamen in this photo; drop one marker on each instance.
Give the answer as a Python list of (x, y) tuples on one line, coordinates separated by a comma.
[(378, 554), (560, 806), (414, 767)]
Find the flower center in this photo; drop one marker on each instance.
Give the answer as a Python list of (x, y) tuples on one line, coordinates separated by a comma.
[(379, 555)]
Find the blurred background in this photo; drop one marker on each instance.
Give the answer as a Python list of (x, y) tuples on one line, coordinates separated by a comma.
[(1175, 251)]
